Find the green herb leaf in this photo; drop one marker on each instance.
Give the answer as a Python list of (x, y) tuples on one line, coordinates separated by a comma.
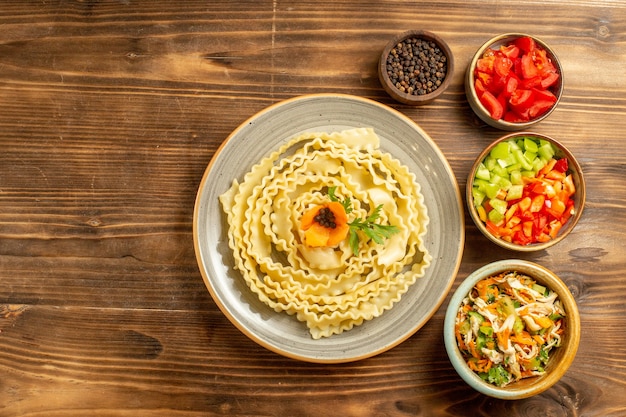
[(375, 214), (374, 231), (354, 241), (346, 202)]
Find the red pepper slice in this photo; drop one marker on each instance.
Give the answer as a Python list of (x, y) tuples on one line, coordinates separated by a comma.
[(568, 185), (539, 223), (521, 239), (556, 209), (561, 165), (569, 211), (537, 203), (492, 228), (538, 188)]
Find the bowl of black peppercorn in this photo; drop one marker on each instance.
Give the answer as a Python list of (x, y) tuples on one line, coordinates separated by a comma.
[(416, 67)]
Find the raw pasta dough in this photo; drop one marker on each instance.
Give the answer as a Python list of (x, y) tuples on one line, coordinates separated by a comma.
[(329, 289)]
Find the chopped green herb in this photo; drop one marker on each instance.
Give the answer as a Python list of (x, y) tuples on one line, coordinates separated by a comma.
[(374, 231)]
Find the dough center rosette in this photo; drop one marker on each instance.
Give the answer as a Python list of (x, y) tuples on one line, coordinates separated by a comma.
[(328, 228)]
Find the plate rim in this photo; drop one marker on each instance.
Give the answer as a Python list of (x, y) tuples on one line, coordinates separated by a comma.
[(205, 273)]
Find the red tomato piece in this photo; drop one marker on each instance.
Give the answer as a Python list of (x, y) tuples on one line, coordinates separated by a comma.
[(512, 81), (529, 83), (511, 85), (504, 101), (561, 165), (544, 95), (529, 70), (485, 64), (526, 44), (511, 51), (493, 106), (513, 117), (502, 66), (542, 62), (485, 78), (549, 80), (521, 100), (479, 86), (539, 107)]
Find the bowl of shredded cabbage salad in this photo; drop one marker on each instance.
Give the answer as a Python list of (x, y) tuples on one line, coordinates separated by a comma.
[(512, 329)]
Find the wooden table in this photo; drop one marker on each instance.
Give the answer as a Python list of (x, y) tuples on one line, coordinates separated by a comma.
[(109, 114)]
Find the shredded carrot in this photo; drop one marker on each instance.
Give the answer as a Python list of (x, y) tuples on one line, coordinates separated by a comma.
[(503, 337), (523, 338), (483, 365), (459, 337), (472, 349), (531, 347), (493, 307)]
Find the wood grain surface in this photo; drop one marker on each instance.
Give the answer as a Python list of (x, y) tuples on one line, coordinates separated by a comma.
[(110, 112)]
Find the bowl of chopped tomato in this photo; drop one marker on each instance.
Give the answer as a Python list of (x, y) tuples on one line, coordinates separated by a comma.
[(525, 191), (512, 329), (514, 81)]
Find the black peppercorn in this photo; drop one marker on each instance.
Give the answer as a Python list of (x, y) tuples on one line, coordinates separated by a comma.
[(326, 218), (416, 66)]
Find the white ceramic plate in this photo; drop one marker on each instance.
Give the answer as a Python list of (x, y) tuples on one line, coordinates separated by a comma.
[(265, 132)]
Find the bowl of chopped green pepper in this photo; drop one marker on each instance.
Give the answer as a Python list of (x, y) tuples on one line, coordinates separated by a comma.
[(513, 81), (512, 329), (526, 192), (416, 67)]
